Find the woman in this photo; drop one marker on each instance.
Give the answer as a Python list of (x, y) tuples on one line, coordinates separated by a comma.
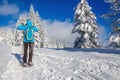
[(28, 41)]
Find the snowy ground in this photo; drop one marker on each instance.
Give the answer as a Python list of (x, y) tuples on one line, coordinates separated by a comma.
[(66, 64), (4, 56)]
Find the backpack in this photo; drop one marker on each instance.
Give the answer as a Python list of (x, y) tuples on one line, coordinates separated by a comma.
[(29, 34)]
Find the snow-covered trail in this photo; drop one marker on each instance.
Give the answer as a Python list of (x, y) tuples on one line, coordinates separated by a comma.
[(50, 64)]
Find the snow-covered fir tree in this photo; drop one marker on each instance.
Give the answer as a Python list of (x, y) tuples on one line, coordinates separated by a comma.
[(43, 34), (18, 35), (55, 43), (2, 33), (33, 17), (113, 18), (40, 37), (86, 26), (7, 35)]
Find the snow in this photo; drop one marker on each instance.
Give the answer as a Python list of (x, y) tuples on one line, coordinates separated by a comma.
[(1, 38), (4, 56), (65, 64)]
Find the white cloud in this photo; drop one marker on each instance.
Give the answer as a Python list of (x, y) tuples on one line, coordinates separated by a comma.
[(62, 31), (103, 36), (109, 1), (8, 9), (59, 30)]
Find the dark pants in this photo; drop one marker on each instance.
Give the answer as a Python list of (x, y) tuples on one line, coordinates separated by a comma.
[(25, 56)]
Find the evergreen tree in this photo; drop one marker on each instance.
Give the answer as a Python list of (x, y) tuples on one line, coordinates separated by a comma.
[(2, 33), (42, 32), (18, 35), (113, 18), (55, 43), (7, 35), (32, 15), (86, 26)]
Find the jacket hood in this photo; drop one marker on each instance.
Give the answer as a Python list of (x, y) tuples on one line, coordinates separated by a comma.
[(29, 23)]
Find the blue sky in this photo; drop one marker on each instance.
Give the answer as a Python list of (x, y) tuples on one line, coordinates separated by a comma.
[(60, 10), (53, 9)]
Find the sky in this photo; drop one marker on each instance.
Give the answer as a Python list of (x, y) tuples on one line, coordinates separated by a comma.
[(60, 11)]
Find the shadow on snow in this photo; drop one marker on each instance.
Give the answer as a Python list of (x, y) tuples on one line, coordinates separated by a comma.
[(108, 51), (18, 57)]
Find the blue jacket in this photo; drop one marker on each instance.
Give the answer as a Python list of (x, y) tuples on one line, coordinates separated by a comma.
[(24, 27)]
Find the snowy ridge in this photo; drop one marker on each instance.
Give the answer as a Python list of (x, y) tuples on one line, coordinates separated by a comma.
[(65, 64)]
